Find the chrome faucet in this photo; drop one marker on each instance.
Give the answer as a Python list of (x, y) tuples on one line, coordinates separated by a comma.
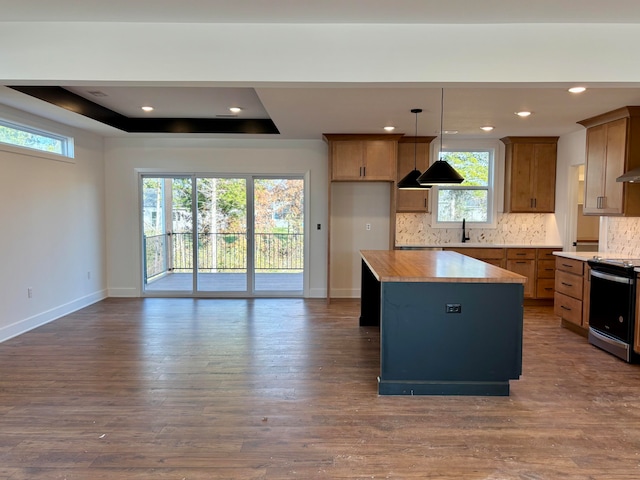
[(465, 237)]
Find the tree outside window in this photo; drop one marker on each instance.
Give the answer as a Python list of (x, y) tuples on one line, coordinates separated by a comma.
[(470, 199)]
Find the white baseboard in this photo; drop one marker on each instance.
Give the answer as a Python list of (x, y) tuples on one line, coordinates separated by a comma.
[(345, 293), (43, 318)]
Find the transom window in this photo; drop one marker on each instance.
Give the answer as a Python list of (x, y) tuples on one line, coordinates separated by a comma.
[(35, 139), (471, 200)]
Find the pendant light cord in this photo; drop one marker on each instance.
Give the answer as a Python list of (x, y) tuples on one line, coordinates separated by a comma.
[(441, 122), (415, 144)]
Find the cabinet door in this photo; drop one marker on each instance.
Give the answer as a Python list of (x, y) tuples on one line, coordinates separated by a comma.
[(544, 178), (347, 160), (526, 268), (521, 177), (595, 168), (614, 166), (380, 160), (606, 153), (531, 180), (410, 155)]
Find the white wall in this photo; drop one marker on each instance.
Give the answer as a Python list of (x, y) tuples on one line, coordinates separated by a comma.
[(125, 158), (199, 52), (53, 236), (571, 154), (353, 206)]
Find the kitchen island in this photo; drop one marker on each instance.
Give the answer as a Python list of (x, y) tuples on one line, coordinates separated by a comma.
[(449, 324)]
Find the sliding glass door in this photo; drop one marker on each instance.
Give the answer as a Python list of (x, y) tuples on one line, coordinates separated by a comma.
[(222, 235), (197, 239), (278, 234)]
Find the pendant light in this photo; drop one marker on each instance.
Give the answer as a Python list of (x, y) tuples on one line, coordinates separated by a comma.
[(410, 180), (440, 172)]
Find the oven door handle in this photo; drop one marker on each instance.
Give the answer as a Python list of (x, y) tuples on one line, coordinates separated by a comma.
[(613, 278)]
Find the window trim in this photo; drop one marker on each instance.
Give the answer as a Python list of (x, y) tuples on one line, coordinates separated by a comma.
[(67, 142), (493, 187)]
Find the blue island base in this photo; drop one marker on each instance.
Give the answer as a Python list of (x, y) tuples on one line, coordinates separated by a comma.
[(443, 388)]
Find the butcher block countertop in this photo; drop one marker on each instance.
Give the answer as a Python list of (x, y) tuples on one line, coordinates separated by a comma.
[(434, 266)]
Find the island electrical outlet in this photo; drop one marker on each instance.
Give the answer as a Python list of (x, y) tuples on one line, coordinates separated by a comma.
[(454, 308)]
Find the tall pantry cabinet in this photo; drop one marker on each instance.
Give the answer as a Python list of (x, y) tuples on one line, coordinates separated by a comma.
[(362, 169)]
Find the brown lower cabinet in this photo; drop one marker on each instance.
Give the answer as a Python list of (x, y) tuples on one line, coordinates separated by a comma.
[(537, 264), (572, 287)]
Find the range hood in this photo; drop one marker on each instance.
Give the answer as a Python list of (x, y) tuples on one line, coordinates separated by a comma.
[(630, 176)]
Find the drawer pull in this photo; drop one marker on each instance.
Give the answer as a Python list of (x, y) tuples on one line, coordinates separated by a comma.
[(566, 265), (564, 308), (548, 288), (520, 254), (567, 284)]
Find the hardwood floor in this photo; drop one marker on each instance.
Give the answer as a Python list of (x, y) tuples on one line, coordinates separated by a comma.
[(286, 389)]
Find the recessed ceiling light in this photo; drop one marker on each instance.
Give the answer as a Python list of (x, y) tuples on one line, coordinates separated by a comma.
[(235, 109), (524, 113), (487, 128), (450, 132), (577, 89), (147, 108), (389, 128)]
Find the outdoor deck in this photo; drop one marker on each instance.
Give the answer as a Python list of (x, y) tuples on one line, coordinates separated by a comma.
[(227, 282)]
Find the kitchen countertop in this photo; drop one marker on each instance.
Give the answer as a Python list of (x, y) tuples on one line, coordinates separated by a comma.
[(584, 256), (434, 266), (475, 245)]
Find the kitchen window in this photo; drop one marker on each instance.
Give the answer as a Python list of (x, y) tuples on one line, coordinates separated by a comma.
[(23, 136), (471, 200)]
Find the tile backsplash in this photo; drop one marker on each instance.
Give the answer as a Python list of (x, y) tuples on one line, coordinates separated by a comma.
[(623, 236), (511, 228)]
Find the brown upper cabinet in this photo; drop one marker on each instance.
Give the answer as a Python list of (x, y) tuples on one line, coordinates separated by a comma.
[(370, 158), (530, 174), (613, 147), (413, 152)]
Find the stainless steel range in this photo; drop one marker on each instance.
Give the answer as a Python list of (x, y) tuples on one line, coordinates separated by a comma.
[(612, 306)]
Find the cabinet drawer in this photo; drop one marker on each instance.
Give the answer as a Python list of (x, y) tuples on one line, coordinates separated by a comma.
[(547, 254), (568, 308), (545, 287), (498, 262), (480, 253), (570, 265), (569, 284), (546, 268), (521, 253)]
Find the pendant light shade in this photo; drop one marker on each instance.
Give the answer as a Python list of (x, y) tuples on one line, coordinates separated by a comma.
[(410, 180), (440, 172)]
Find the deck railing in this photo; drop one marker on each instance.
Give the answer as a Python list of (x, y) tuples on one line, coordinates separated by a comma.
[(222, 252)]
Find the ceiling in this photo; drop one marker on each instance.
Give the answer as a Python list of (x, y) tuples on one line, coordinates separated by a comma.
[(302, 111)]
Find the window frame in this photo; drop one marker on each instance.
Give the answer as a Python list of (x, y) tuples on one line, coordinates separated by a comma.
[(470, 145), (67, 142)]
